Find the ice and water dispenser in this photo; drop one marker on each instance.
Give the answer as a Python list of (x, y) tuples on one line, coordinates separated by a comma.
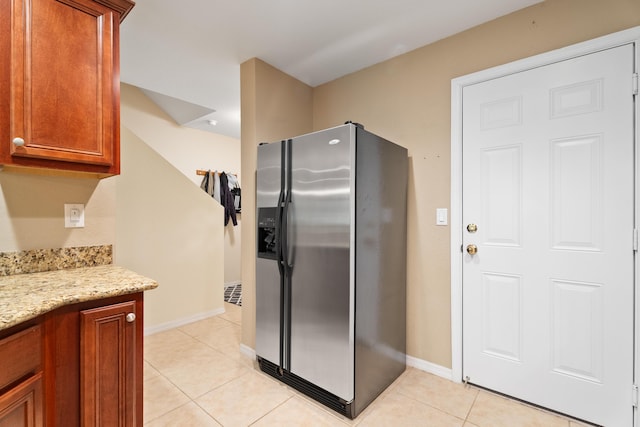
[(267, 238)]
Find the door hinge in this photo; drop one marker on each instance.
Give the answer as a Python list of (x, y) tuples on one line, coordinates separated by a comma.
[(634, 83), (635, 239), (634, 395)]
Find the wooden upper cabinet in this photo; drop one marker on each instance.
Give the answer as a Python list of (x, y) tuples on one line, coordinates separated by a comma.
[(63, 86)]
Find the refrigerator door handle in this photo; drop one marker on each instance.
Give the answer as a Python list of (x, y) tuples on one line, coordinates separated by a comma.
[(287, 202), (286, 259), (279, 236), (280, 230)]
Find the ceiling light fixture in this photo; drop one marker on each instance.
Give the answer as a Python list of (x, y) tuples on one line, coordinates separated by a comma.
[(212, 122)]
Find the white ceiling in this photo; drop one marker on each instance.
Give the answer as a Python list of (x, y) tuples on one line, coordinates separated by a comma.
[(189, 51)]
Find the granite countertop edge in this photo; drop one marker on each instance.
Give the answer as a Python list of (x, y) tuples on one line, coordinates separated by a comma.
[(26, 296)]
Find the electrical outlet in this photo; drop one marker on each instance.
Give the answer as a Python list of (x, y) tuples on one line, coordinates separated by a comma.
[(74, 215)]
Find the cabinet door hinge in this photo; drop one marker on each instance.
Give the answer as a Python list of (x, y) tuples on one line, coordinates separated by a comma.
[(635, 239), (634, 83), (634, 395)]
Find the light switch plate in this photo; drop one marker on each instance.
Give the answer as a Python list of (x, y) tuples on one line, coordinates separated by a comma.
[(73, 215), (442, 216)]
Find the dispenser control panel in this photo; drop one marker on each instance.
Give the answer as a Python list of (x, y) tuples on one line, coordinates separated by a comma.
[(267, 238)]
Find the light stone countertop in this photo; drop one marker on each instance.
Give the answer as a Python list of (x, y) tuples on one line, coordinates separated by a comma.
[(26, 296)]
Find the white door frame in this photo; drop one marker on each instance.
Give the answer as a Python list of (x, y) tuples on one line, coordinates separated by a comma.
[(606, 42)]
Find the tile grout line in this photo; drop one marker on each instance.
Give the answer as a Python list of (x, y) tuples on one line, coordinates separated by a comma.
[(431, 406), (174, 385), (271, 410), (207, 412), (466, 418)]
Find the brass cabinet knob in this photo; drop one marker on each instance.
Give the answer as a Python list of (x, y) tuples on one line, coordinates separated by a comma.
[(131, 317), (472, 249)]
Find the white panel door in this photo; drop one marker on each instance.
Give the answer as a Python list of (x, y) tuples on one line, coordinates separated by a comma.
[(548, 173)]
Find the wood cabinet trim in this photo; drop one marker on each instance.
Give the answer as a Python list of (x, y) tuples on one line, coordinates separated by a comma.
[(123, 7), (26, 349), (23, 404)]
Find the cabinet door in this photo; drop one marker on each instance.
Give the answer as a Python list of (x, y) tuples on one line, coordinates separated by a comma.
[(107, 365), (64, 105), (22, 405)]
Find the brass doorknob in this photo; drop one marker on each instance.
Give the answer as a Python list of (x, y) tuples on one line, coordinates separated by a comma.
[(472, 249)]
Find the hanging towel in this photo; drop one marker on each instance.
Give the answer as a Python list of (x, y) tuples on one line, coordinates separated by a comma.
[(211, 183), (216, 188), (207, 183)]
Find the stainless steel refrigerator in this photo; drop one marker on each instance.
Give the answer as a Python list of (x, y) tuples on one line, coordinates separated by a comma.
[(331, 264)]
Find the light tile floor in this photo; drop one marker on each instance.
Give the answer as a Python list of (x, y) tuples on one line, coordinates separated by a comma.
[(196, 376)]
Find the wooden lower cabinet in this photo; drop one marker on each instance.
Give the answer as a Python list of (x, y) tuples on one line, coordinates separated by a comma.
[(97, 359), (79, 365), (22, 405), (107, 365)]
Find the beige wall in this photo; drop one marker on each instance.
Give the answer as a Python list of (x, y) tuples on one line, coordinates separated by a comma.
[(32, 211), (157, 237), (408, 100), (274, 106), (187, 150)]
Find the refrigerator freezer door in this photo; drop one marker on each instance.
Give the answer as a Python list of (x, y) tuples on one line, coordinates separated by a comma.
[(320, 236), (268, 279)]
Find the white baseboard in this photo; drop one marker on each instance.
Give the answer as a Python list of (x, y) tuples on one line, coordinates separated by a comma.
[(181, 322), (431, 368), (248, 351)]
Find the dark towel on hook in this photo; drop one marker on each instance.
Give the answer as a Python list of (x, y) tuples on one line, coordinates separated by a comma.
[(227, 200), (205, 182)]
